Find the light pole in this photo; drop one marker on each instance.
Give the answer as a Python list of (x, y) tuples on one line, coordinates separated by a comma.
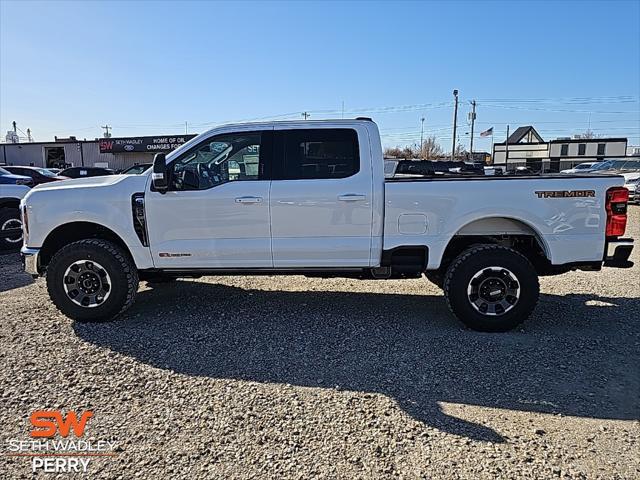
[(473, 121), (422, 137), (455, 121)]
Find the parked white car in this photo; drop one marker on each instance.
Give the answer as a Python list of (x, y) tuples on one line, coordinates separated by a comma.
[(580, 168), (632, 183), (317, 203)]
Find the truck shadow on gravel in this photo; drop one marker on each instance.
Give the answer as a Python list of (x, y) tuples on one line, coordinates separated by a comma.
[(578, 356), (12, 274)]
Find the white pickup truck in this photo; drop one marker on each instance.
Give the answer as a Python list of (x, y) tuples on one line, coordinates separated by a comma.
[(311, 198)]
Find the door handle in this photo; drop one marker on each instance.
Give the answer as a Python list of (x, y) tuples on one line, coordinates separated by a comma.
[(351, 197), (248, 199)]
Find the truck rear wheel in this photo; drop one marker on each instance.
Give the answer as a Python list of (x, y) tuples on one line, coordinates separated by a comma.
[(491, 288), (92, 280), (10, 219)]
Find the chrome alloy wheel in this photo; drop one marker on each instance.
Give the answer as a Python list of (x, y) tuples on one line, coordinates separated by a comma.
[(493, 291), (9, 224), (87, 283)]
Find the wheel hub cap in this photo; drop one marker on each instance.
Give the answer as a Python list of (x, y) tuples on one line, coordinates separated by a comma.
[(9, 224), (87, 283), (493, 291)]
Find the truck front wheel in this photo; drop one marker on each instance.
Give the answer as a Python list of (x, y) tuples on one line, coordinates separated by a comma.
[(491, 288), (92, 280)]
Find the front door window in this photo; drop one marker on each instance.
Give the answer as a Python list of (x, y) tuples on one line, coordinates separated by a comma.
[(222, 159)]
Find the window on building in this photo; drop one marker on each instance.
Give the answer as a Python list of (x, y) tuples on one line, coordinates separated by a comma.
[(582, 148), (320, 153), (564, 149), (601, 148)]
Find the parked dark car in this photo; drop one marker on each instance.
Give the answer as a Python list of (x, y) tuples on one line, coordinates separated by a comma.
[(8, 178), (137, 169), (523, 171), (82, 172), (37, 174)]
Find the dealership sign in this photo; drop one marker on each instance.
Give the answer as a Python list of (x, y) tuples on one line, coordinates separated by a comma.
[(142, 144)]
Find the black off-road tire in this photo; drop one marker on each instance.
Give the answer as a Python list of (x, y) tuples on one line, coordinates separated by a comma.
[(7, 214), (474, 260), (116, 262)]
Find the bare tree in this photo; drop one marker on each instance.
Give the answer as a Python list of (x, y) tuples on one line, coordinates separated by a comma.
[(407, 152), (460, 153), (431, 149), (392, 152), (587, 135)]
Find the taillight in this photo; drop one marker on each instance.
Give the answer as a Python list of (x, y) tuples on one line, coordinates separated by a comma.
[(616, 206)]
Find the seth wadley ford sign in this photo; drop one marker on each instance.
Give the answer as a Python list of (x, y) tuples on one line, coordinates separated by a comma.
[(142, 144)]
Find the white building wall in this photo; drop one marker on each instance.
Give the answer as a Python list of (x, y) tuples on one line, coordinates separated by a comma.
[(72, 154), (633, 150), (92, 155), (612, 149), (23, 154), (520, 152)]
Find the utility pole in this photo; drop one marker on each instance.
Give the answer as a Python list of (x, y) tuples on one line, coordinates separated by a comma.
[(472, 117), (342, 108), (422, 138), (455, 121), (15, 127), (306, 115), (506, 150), (186, 132), (29, 139), (106, 131)]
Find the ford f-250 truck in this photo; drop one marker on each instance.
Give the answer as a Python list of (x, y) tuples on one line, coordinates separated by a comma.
[(311, 198)]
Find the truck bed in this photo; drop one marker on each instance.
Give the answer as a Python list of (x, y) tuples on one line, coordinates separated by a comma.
[(567, 217)]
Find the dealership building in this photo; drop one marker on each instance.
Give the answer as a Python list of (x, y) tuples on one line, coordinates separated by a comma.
[(526, 148), (114, 153)]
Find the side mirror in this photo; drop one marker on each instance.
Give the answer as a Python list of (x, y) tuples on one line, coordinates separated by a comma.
[(159, 175)]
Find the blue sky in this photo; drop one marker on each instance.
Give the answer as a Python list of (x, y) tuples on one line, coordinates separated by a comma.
[(146, 68)]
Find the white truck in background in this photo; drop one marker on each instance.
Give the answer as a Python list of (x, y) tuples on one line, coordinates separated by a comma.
[(311, 198), (10, 219)]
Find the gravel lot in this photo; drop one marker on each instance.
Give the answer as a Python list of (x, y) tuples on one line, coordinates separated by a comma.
[(295, 377)]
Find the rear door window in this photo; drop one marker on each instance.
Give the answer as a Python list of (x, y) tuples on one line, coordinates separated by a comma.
[(317, 154)]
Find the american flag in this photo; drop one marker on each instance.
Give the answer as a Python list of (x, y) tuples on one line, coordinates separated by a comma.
[(486, 133)]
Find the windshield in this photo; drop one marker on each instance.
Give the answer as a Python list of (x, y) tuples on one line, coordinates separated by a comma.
[(135, 170), (632, 165), (583, 166), (45, 172), (4, 172), (602, 166)]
